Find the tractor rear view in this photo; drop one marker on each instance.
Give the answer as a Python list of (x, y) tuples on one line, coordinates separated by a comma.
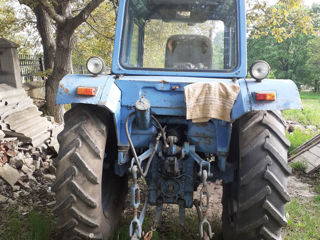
[(178, 112)]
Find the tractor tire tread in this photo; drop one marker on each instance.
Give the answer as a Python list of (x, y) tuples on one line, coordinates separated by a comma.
[(70, 224), (275, 182), (84, 168), (65, 178), (78, 149), (253, 200), (262, 174), (65, 204), (81, 194), (83, 218), (277, 156)]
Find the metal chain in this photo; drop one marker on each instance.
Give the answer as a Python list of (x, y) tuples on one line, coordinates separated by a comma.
[(204, 206), (135, 225)]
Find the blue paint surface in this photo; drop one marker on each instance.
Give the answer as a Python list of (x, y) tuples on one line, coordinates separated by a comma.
[(287, 96), (67, 91), (166, 97)]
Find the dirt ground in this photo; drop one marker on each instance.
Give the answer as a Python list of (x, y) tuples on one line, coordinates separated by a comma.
[(298, 188)]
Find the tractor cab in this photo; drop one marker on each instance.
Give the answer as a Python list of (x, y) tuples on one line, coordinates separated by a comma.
[(181, 38)]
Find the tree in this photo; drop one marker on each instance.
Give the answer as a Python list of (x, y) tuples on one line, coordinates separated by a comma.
[(96, 36), (62, 14), (8, 21), (284, 20), (313, 62), (18, 29), (289, 57)]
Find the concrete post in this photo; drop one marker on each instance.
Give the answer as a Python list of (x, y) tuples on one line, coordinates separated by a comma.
[(9, 64)]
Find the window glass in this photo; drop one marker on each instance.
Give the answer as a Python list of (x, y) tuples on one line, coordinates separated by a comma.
[(182, 35), (134, 51)]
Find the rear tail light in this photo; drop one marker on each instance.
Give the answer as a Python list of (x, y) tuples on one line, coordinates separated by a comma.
[(86, 91), (265, 96)]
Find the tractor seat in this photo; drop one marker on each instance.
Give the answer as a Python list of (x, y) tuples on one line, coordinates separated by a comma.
[(188, 52)]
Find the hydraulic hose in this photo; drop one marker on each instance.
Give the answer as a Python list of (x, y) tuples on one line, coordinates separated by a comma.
[(143, 173)]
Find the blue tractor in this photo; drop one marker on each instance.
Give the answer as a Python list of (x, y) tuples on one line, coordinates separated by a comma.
[(178, 112)]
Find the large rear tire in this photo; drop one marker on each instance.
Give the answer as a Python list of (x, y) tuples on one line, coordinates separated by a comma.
[(90, 197), (254, 204)]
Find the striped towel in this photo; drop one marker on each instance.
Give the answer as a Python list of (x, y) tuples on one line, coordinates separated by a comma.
[(210, 100)]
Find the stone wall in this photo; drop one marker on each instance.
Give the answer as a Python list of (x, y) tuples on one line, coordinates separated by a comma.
[(9, 64)]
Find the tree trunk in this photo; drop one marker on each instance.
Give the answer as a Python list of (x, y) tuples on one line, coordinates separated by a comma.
[(58, 53), (316, 85), (45, 30), (62, 67)]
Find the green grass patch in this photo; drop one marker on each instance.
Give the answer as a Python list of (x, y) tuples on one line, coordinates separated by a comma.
[(299, 137), (303, 220), (13, 228), (310, 115), (298, 166), (310, 95), (32, 226), (40, 225)]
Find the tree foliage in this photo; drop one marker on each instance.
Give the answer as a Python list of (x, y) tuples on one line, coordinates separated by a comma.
[(287, 59), (313, 62), (95, 37), (17, 25), (8, 21), (284, 20), (296, 56)]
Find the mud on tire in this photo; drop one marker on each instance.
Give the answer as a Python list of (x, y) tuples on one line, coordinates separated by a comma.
[(90, 197), (254, 204)]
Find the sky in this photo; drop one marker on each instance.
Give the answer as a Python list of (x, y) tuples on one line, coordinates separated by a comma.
[(310, 2)]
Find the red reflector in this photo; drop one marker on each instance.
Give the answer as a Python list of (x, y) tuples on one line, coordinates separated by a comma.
[(266, 96), (86, 91)]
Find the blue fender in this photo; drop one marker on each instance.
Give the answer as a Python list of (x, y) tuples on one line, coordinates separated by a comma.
[(107, 95), (287, 96)]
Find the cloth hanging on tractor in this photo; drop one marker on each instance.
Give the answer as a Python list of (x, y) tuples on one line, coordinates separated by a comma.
[(210, 100)]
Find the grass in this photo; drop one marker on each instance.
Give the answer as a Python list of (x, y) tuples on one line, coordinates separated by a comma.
[(299, 137), (310, 115), (303, 220), (32, 226), (298, 166), (304, 217)]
